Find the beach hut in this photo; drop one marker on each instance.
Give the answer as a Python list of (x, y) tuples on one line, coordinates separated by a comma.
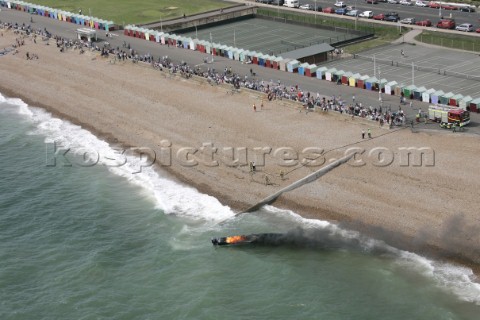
[(301, 68), (475, 105), (268, 60), (311, 70), (321, 72), (329, 74), (292, 66), (398, 91), (208, 47), (284, 63), (371, 83), (254, 56), (417, 93), (346, 78), (445, 99), (435, 97), (381, 83), (361, 81), (236, 54), (408, 91), (276, 62), (390, 87), (186, 42), (455, 100), (337, 76), (426, 95), (352, 81), (261, 59), (464, 103), (230, 52)]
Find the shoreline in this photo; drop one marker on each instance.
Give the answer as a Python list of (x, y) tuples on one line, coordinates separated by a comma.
[(223, 182)]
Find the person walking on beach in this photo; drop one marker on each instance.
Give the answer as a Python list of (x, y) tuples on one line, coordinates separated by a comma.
[(363, 134), (369, 133), (254, 108)]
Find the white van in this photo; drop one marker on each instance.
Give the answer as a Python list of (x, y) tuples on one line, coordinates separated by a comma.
[(292, 3)]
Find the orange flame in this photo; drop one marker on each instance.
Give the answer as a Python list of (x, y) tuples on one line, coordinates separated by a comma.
[(235, 239)]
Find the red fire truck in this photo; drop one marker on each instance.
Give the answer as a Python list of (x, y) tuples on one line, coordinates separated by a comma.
[(448, 115)]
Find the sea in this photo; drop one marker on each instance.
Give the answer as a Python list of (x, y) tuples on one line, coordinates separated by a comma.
[(90, 237)]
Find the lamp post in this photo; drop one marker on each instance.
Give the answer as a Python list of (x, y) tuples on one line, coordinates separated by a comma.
[(440, 11), (315, 11), (379, 87)]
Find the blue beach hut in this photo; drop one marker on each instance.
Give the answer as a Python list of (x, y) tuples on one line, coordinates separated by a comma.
[(301, 68)]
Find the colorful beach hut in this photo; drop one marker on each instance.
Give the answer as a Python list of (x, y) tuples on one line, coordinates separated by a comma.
[(284, 63), (321, 72), (371, 83), (475, 105), (292, 66), (426, 95), (254, 57), (417, 93), (301, 68), (337, 76), (390, 87), (435, 97), (311, 70), (276, 63), (464, 103), (361, 81), (329, 74), (352, 81), (408, 91), (445, 99), (261, 60), (381, 83), (268, 60), (455, 100), (346, 78)]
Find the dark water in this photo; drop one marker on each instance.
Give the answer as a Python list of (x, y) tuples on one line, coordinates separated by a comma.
[(98, 242)]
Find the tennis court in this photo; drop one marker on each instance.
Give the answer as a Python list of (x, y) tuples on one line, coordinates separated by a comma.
[(440, 69), (268, 37)]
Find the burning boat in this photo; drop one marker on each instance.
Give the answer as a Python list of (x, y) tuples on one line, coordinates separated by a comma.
[(247, 239)]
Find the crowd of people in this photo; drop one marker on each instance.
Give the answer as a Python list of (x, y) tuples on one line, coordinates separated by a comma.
[(272, 90)]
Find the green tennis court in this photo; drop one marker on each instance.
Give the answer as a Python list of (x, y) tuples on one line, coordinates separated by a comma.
[(269, 37)]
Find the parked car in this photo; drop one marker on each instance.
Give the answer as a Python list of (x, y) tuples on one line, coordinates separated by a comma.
[(341, 11), (392, 18), (306, 7), (278, 2), (264, 1), (478, 30), (340, 4), (328, 10), (467, 9), (446, 24), (406, 3), (366, 14), (379, 16), (424, 23), (408, 21), (434, 5), (449, 7), (420, 4), (393, 1), (372, 1), (467, 27), (352, 13)]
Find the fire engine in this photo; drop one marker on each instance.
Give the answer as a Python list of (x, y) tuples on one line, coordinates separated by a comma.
[(448, 115)]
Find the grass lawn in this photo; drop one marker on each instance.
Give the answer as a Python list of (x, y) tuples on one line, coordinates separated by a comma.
[(450, 40), (134, 11)]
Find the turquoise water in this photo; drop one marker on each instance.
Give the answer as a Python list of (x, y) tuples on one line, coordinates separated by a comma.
[(98, 242)]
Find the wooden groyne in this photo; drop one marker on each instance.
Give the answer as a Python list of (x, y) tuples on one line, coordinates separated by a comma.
[(310, 178)]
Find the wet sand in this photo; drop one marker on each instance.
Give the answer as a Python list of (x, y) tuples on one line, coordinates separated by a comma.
[(430, 208)]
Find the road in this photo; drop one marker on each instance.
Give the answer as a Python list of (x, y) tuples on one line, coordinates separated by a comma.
[(313, 85), (419, 13)]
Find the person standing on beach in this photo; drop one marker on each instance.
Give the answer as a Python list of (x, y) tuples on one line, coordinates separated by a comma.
[(363, 134), (254, 108), (369, 133)]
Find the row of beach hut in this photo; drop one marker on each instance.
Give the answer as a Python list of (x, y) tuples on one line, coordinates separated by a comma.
[(61, 15), (309, 70)]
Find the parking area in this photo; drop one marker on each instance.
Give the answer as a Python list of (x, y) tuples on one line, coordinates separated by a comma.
[(268, 37), (450, 71)]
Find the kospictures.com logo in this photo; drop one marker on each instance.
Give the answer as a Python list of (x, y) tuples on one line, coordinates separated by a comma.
[(210, 156)]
